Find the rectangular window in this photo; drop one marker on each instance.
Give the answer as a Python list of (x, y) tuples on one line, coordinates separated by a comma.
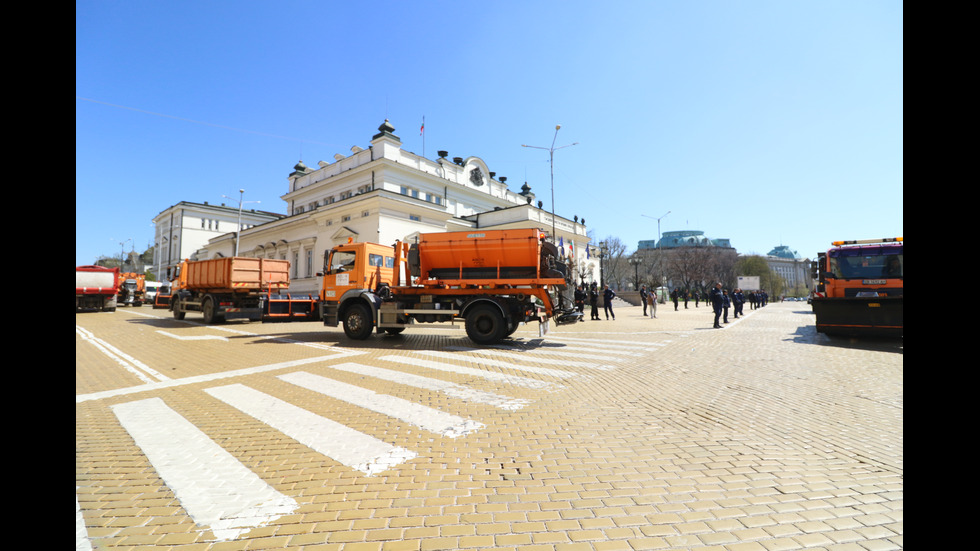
[(374, 260)]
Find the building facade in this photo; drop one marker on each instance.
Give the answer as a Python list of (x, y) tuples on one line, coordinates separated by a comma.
[(384, 194), (183, 229), (794, 270)]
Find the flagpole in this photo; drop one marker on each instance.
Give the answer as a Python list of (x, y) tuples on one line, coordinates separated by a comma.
[(423, 136)]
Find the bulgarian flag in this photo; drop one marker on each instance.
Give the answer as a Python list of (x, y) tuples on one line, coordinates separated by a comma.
[(422, 129)]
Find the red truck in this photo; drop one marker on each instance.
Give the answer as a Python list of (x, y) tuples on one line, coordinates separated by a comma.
[(95, 288)]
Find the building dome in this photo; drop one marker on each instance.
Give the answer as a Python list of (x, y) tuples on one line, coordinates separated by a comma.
[(783, 251)]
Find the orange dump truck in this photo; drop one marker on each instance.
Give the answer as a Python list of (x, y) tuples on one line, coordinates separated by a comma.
[(226, 288), (132, 289), (860, 288), (491, 280)]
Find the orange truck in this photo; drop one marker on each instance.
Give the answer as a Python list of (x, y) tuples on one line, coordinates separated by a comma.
[(132, 289), (859, 288), (492, 281), (226, 288), (95, 288)]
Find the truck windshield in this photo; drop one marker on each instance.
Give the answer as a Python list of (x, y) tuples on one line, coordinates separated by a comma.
[(342, 261), (867, 263)]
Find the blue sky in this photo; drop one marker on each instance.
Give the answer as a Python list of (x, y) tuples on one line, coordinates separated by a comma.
[(764, 122)]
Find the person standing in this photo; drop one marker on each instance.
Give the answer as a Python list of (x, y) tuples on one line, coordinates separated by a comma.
[(607, 296), (715, 295), (687, 297), (580, 299), (726, 303), (653, 304), (594, 300), (643, 297), (738, 299), (673, 297)]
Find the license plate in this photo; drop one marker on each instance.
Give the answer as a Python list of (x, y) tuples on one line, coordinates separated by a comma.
[(874, 281)]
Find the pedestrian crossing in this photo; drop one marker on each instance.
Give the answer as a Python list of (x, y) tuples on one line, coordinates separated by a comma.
[(222, 495)]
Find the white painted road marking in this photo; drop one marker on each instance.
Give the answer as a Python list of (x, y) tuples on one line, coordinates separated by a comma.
[(129, 363), (215, 489), (193, 338), (557, 373), (345, 445), (421, 416), (469, 371), (210, 377), (437, 385)]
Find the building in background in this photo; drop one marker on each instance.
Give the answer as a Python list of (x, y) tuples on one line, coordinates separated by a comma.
[(384, 194), (182, 229), (794, 270)]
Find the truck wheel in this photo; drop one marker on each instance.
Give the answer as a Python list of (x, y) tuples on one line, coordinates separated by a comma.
[(358, 323), (208, 309), (175, 306), (485, 324)]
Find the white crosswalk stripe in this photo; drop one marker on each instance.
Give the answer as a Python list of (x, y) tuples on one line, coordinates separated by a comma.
[(215, 489), (345, 445), (494, 376), (482, 360), (424, 417), (450, 389)]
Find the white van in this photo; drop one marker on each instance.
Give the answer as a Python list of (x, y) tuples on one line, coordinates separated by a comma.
[(152, 287)]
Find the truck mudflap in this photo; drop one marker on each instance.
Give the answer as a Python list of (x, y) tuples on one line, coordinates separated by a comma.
[(860, 316)]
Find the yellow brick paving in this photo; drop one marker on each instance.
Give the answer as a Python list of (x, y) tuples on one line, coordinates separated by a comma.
[(761, 436)]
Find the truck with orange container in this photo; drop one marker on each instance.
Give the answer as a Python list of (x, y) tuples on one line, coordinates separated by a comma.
[(859, 288), (132, 289), (226, 288), (491, 280), (95, 288)]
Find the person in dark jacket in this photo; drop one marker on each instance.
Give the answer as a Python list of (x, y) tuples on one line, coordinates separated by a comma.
[(738, 300), (594, 300), (717, 301), (726, 303), (607, 296)]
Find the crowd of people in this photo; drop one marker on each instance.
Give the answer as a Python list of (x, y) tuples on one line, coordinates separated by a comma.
[(719, 299)]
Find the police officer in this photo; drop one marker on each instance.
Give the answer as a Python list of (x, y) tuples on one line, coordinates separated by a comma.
[(717, 302), (594, 300)]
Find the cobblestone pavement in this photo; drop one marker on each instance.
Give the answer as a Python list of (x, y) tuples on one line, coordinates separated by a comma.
[(631, 434)]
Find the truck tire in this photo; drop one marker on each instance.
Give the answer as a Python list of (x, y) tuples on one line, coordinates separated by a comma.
[(209, 309), (175, 306), (485, 324), (357, 322)]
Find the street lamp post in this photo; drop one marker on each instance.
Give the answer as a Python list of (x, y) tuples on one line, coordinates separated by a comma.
[(660, 264), (122, 253), (602, 272), (551, 152), (238, 234), (635, 261)]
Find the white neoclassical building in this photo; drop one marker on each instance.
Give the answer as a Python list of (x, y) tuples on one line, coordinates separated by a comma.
[(383, 193), (183, 229)]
